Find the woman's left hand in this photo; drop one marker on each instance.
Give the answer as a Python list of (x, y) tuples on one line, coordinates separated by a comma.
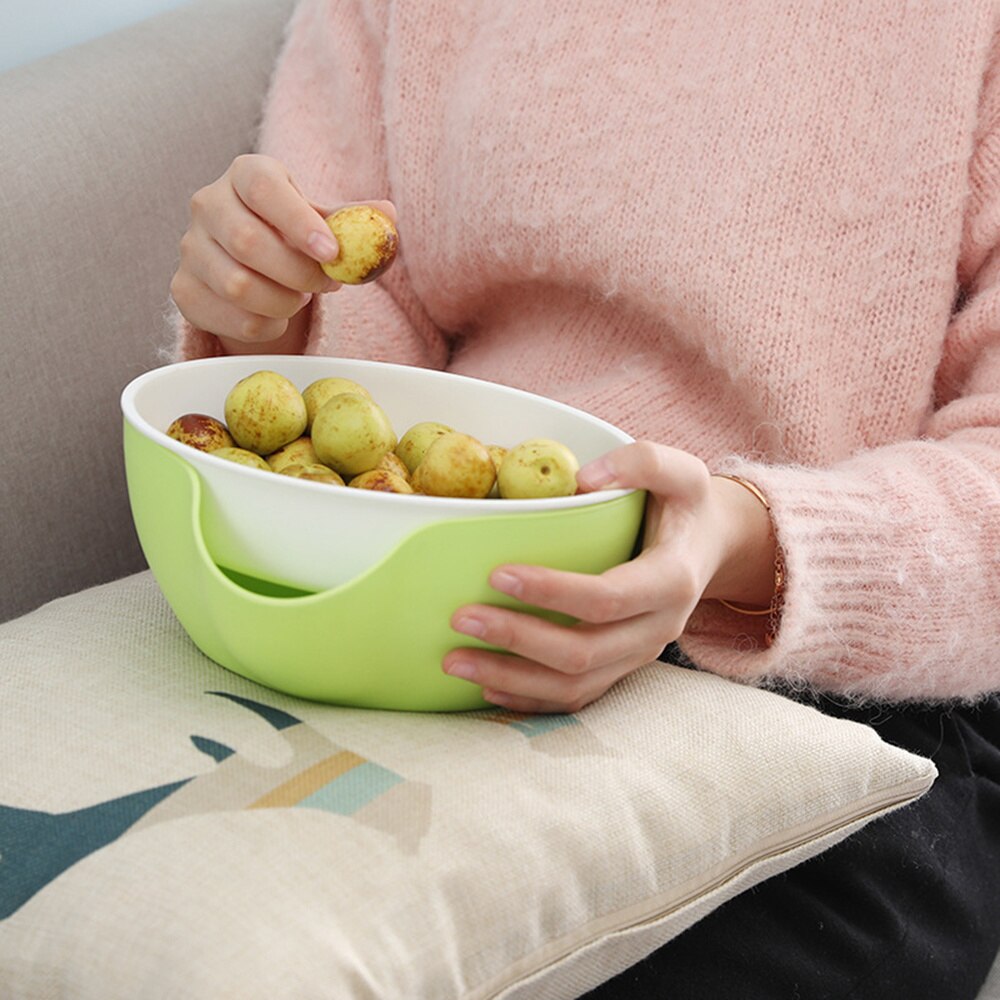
[(704, 536)]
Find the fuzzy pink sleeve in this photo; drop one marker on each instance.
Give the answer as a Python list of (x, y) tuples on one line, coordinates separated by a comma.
[(893, 557), (323, 119)]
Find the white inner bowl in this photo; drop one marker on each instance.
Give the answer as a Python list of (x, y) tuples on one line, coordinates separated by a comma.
[(312, 535)]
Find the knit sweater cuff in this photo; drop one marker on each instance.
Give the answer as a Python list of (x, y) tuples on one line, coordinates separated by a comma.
[(822, 615), (849, 622)]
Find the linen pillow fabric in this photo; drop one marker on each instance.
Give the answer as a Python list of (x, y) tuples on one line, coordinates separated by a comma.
[(170, 829), (991, 988)]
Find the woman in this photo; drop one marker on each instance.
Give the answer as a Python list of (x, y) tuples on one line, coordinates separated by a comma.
[(763, 237)]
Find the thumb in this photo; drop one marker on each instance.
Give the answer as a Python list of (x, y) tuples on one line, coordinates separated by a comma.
[(646, 465)]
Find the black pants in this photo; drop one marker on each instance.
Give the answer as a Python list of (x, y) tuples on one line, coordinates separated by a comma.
[(907, 908)]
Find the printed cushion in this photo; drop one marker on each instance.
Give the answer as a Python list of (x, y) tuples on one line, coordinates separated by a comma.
[(168, 829)]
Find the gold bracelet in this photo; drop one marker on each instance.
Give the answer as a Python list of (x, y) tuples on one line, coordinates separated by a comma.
[(774, 608), (745, 611)]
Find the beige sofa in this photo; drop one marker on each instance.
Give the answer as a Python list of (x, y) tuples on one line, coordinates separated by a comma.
[(586, 840), (102, 147)]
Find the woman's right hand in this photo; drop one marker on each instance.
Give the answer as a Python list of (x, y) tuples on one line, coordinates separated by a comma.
[(249, 260)]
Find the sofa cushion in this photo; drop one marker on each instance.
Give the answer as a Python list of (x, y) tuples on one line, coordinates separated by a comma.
[(170, 829), (103, 145)]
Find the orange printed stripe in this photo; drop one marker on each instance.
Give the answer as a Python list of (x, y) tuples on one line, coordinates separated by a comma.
[(505, 717), (306, 782)]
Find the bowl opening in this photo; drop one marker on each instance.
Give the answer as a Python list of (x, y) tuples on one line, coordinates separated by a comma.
[(261, 587)]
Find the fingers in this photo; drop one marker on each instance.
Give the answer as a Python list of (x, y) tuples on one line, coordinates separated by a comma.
[(624, 616), (268, 193), (234, 282), (207, 311), (575, 650), (249, 259), (529, 687), (220, 216), (219, 294), (641, 585), (547, 666), (644, 465)]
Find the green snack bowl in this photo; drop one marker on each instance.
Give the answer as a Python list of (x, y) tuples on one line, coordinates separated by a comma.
[(342, 595)]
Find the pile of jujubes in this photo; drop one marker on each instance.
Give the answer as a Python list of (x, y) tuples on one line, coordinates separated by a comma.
[(334, 432)]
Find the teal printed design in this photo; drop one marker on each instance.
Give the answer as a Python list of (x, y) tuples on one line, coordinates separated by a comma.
[(351, 791), (535, 725), (36, 846), (557, 735)]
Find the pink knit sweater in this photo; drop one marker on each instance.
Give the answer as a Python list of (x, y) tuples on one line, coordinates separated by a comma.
[(766, 233)]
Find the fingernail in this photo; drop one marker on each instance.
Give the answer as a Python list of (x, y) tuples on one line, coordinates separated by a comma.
[(460, 668), (508, 583), (469, 625), (323, 246), (595, 475)]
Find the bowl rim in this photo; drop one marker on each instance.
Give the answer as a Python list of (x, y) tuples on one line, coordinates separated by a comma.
[(469, 505)]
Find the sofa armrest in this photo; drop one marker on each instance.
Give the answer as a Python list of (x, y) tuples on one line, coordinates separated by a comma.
[(103, 145)]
